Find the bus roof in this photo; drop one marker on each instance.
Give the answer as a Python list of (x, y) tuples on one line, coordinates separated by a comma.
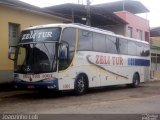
[(84, 27)]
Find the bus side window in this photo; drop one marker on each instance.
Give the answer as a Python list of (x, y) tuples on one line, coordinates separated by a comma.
[(99, 43), (132, 48), (123, 46), (142, 49), (63, 51), (145, 50), (84, 40), (139, 49), (111, 44), (68, 37)]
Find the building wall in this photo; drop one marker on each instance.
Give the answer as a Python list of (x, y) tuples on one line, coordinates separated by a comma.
[(155, 53), (25, 19), (136, 23), (155, 41), (118, 29)]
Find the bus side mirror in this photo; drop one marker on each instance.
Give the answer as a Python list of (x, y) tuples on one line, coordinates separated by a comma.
[(11, 53), (63, 51)]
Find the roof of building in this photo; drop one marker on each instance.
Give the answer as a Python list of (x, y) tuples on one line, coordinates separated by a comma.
[(25, 6), (154, 32), (131, 6), (99, 16)]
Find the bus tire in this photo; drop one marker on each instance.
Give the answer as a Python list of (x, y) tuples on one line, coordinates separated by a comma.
[(135, 81), (81, 85)]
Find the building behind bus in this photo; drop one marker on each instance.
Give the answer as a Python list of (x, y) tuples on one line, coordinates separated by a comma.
[(119, 17), (16, 16)]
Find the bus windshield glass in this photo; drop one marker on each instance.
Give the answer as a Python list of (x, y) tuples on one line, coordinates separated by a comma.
[(40, 35), (36, 58)]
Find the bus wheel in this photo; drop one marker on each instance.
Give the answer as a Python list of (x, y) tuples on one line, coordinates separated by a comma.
[(136, 81), (80, 85)]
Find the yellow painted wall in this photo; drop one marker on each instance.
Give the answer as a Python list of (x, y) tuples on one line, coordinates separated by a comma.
[(25, 19)]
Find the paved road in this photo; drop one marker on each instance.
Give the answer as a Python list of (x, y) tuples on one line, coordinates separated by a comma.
[(115, 100)]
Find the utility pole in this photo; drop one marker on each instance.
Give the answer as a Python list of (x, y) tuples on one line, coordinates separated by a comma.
[(88, 13), (123, 5), (72, 15)]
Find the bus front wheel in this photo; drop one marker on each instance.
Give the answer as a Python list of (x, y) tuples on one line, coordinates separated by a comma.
[(80, 85)]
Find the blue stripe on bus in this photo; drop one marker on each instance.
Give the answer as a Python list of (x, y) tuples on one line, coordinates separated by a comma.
[(138, 62)]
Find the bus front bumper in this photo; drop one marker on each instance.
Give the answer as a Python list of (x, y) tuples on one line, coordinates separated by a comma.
[(44, 84)]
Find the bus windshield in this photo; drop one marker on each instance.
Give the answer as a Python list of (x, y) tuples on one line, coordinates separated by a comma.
[(36, 58), (37, 50)]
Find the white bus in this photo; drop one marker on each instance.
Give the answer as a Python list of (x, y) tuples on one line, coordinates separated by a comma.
[(77, 57)]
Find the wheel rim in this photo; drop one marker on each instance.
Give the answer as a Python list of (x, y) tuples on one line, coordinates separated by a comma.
[(136, 81), (81, 85)]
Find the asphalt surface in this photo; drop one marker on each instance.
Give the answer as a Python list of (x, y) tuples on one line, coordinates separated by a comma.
[(107, 100)]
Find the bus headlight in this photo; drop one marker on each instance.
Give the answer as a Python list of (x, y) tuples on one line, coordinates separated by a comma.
[(49, 80), (15, 75), (51, 87)]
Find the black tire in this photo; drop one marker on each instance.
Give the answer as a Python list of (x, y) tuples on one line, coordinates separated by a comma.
[(80, 85), (136, 81)]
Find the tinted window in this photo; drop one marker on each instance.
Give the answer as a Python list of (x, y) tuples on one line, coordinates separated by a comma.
[(123, 46), (38, 57), (85, 40), (69, 37), (132, 48), (145, 50), (99, 43), (112, 44), (139, 49)]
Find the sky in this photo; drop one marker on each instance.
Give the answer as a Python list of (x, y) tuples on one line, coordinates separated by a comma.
[(153, 5)]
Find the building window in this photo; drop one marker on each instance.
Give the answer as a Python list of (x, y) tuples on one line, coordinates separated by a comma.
[(155, 61), (14, 30), (147, 36), (130, 32), (139, 34)]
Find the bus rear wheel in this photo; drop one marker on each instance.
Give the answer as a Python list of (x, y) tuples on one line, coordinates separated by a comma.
[(80, 85), (136, 81)]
